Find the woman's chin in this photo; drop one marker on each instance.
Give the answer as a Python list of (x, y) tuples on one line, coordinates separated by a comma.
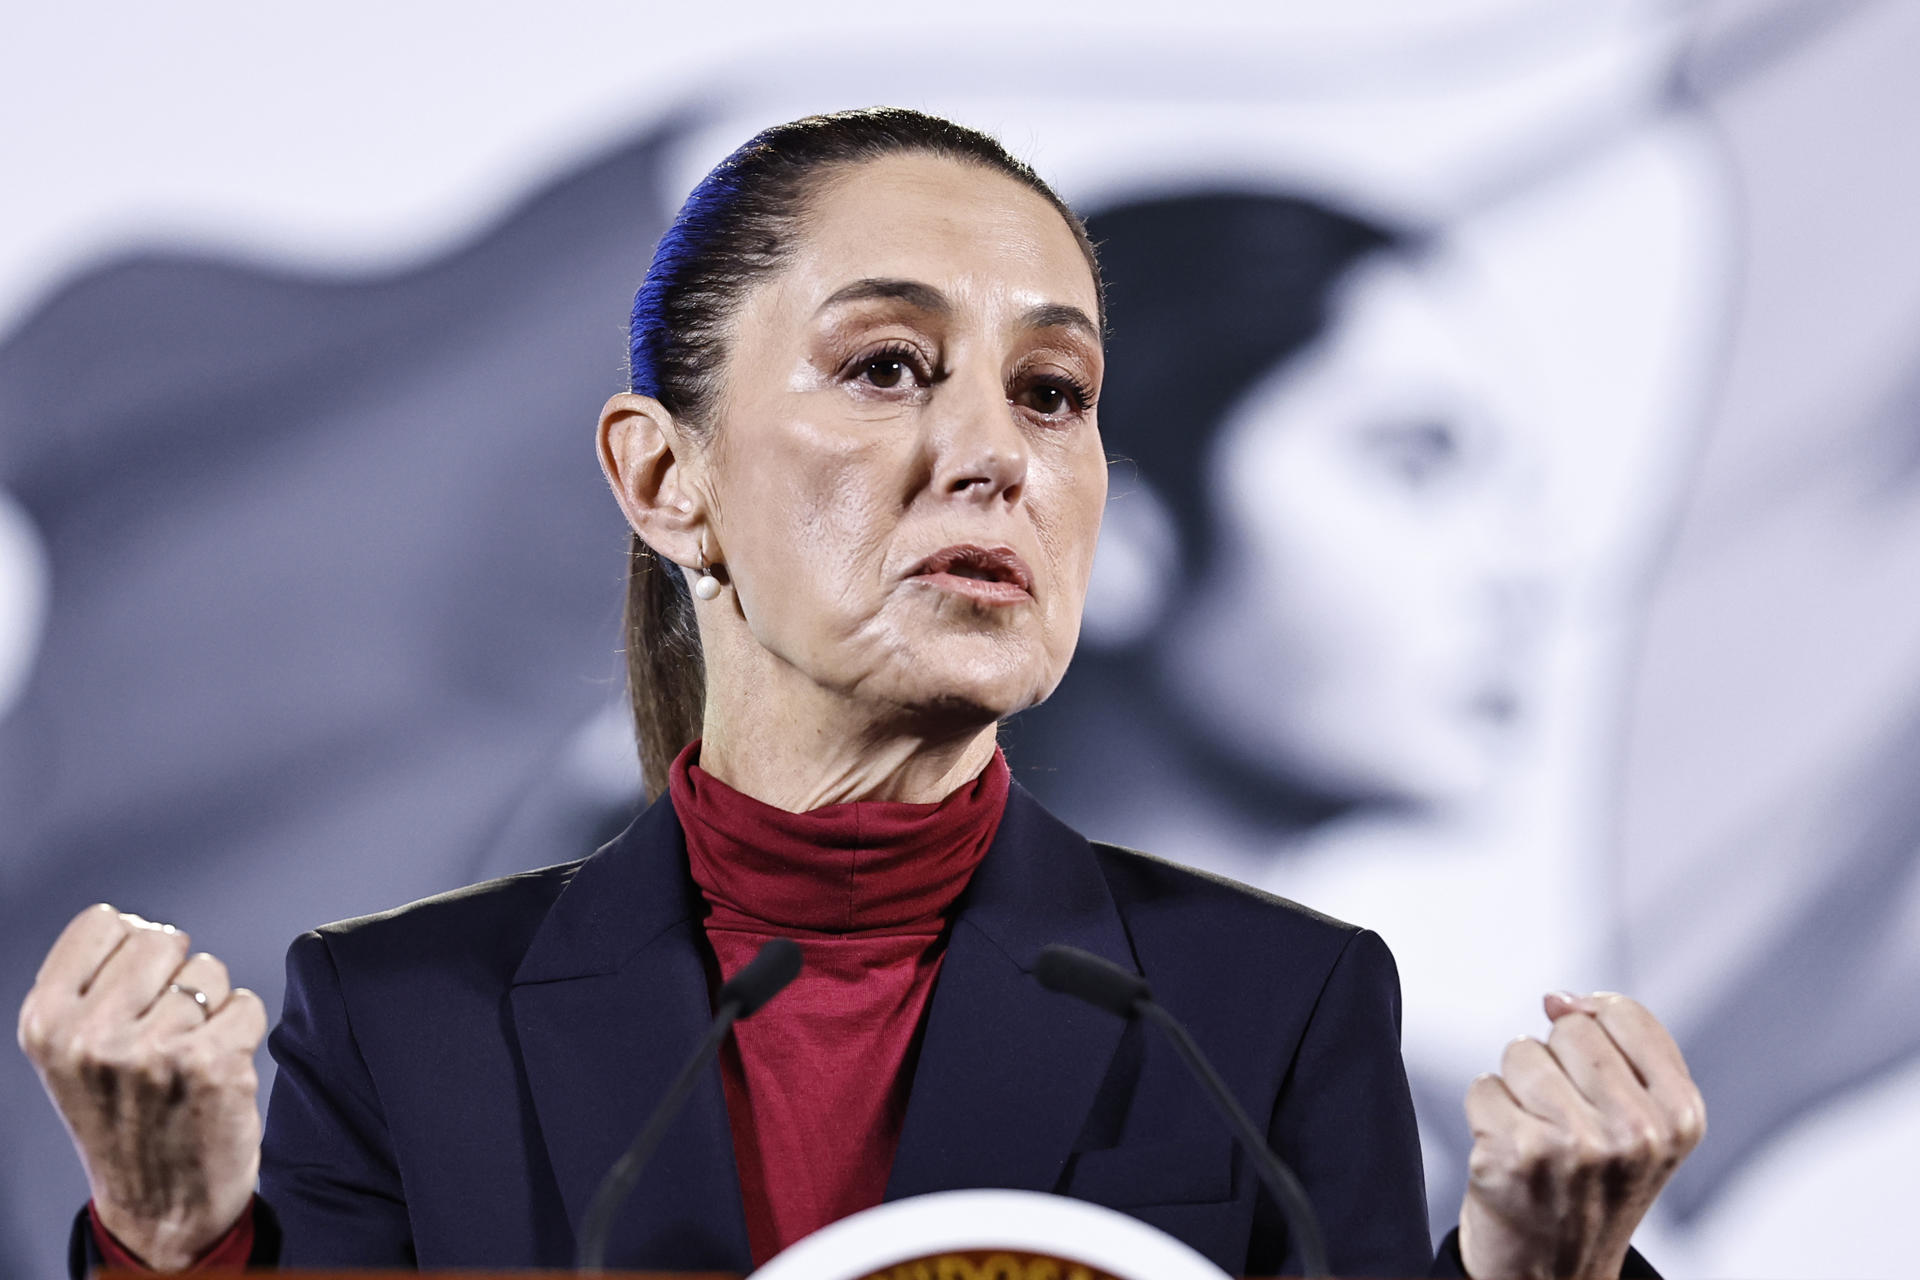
[(967, 693), (1447, 777)]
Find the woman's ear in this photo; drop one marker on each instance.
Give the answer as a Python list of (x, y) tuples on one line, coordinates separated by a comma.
[(650, 464)]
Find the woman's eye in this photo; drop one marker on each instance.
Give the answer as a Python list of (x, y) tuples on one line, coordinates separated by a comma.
[(889, 369), (1418, 453), (1053, 399)]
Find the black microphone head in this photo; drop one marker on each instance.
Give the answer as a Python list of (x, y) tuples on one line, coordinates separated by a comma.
[(764, 977), (1098, 981)]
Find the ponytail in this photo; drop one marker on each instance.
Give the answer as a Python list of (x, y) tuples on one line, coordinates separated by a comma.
[(666, 673)]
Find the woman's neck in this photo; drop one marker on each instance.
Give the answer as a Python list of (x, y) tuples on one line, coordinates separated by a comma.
[(803, 757)]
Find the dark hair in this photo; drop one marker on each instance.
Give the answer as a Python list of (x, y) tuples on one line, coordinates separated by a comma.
[(1207, 292), (737, 228)]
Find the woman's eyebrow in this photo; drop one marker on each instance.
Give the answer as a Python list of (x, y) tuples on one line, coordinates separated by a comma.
[(924, 297), (921, 297), (1058, 315)]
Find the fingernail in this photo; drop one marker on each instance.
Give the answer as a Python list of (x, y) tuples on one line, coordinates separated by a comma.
[(1568, 1003)]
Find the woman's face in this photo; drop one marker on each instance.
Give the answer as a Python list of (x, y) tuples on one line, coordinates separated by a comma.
[(906, 477), (1361, 627)]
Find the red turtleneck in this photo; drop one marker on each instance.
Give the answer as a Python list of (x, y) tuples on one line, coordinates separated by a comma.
[(816, 1083)]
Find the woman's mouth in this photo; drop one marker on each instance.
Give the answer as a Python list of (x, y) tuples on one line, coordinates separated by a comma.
[(988, 575)]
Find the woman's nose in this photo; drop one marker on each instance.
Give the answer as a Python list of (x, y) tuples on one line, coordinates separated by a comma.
[(982, 453), (1522, 572)]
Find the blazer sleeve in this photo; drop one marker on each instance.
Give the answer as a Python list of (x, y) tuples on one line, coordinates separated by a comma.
[(1344, 1122), (1447, 1262), (327, 1164)]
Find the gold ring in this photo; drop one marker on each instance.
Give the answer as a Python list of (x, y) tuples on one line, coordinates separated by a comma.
[(194, 994)]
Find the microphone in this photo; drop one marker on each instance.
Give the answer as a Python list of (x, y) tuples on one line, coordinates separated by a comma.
[(745, 994), (1105, 985)]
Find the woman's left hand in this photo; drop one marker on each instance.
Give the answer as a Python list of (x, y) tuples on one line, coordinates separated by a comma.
[(1573, 1139)]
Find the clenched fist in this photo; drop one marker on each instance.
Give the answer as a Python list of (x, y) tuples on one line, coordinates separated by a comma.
[(148, 1055), (1573, 1140)]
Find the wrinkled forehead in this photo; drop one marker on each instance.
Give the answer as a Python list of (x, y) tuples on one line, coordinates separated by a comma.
[(986, 243)]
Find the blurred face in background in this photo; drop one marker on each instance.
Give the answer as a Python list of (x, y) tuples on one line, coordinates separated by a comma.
[(1361, 630)]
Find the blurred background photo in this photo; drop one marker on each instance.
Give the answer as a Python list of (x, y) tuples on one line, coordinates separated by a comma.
[(1514, 540)]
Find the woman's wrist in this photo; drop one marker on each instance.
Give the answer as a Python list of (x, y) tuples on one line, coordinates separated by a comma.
[(171, 1250)]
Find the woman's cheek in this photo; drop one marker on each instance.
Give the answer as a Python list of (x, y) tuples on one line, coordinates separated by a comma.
[(1067, 516)]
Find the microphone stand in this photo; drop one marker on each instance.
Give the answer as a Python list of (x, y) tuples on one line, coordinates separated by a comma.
[(763, 978), (1106, 985)]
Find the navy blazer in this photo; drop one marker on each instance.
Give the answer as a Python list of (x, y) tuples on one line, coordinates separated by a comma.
[(455, 1076)]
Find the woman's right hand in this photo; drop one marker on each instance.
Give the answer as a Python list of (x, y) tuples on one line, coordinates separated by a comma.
[(157, 1089)]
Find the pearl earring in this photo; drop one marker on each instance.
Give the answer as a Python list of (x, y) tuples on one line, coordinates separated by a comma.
[(706, 586)]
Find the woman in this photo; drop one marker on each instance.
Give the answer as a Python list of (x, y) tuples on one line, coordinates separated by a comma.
[(1344, 507), (1338, 502), (862, 468)]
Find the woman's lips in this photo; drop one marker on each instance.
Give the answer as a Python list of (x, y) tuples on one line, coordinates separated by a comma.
[(989, 575), (976, 588)]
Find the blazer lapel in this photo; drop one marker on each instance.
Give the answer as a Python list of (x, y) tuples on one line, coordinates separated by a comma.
[(1008, 1070), (608, 1002)]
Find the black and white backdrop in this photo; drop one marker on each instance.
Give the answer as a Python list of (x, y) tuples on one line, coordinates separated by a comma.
[(1514, 543)]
